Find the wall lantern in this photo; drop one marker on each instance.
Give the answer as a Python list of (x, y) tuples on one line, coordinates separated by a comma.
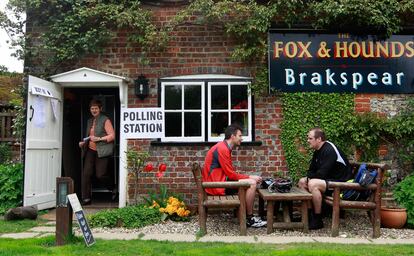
[(141, 87)]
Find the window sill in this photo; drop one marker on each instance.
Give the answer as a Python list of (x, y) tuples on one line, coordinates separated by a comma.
[(206, 143)]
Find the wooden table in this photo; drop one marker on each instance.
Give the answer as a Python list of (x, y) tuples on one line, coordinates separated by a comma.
[(296, 194)]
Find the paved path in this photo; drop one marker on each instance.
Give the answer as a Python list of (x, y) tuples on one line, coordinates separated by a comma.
[(49, 230), (42, 231)]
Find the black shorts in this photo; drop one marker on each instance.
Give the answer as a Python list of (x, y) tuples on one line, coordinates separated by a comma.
[(327, 191), (231, 191)]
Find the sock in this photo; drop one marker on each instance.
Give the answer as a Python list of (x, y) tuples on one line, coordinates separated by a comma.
[(249, 216)]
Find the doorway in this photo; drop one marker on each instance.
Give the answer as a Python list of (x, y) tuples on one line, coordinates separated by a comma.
[(75, 116)]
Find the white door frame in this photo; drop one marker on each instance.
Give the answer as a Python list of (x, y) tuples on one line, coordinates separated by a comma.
[(86, 77)]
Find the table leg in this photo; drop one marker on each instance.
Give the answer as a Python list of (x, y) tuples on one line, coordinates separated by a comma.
[(261, 207), (269, 217), (286, 214), (305, 216)]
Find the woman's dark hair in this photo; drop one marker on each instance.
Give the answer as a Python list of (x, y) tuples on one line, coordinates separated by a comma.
[(95, 102), (232, 130)]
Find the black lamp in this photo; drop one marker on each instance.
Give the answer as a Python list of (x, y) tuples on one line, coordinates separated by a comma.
[(141, 87)]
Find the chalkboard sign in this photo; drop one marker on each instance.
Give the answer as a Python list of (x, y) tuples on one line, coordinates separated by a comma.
[(80, 216)]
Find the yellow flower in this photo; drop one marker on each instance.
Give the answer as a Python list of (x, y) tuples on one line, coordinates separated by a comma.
[(154, 204), (180, 212)]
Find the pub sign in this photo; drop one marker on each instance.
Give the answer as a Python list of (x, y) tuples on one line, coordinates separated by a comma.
[(306, 62)]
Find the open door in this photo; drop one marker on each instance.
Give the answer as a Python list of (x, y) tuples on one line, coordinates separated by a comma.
[(43, 143)]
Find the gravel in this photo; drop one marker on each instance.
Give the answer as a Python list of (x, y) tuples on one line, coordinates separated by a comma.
[(355, 225)]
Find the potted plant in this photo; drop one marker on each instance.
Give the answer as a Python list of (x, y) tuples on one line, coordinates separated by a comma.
[(394, 213), (404, 195)]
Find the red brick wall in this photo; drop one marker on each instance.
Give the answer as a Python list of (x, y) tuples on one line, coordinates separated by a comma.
[(363, 102), (192, 50)]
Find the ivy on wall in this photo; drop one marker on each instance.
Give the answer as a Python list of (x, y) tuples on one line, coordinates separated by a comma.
[(75, 28), (361, 133), (303, 111)]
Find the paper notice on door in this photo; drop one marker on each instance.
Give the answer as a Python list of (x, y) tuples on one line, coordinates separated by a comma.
[(55, 108), (39, 115)]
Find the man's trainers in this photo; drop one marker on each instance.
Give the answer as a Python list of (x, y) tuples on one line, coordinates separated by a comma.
[(256, 222)]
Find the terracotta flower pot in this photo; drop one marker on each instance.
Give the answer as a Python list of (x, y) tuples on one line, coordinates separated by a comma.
[(393, 217)]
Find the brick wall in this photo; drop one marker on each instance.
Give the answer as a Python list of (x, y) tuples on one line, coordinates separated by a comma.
[(193, 50)]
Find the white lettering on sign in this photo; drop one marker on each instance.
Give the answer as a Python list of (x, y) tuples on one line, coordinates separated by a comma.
[(142, 123), (331, 78)]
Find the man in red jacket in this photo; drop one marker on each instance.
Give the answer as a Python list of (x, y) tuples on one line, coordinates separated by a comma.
[(218, 167)]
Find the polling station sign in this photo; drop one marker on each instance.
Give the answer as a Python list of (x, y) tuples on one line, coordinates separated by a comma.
[(304, 62), (142, 123)]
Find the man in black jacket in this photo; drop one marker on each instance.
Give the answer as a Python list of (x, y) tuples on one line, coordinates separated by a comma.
[(328, 164)]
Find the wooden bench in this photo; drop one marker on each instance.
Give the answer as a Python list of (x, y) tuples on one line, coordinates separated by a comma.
[(372, 205), (206, 201)]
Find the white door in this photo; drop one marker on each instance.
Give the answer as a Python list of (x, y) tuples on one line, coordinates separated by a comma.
[(43, 143)]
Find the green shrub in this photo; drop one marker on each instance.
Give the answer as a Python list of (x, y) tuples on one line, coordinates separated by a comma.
[(129, 217), (404, 195), (5, 153), (11, 185)]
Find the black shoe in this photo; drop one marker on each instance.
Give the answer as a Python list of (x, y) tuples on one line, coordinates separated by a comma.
[(315, 222), (86, 201), (255, 222)]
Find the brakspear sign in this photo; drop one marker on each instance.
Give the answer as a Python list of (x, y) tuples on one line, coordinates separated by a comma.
[(304, 62)]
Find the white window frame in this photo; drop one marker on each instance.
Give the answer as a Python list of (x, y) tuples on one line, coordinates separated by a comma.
[(182, 111), (229, 110)]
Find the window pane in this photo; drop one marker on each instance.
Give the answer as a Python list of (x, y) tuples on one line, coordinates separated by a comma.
[(241, 119), (219, 97), (192, 124), (238, 96), (192, 97), (172, 124), (173, 97), (219, 122)]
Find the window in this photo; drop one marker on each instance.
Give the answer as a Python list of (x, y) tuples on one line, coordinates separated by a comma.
[(183, 110), (228, 103), (199, 110)]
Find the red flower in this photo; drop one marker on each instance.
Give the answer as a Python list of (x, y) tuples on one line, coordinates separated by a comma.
[(149, 167), (162, 167), (159, 174)]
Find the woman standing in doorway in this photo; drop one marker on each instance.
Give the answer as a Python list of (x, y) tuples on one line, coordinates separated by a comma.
[(97, 148)]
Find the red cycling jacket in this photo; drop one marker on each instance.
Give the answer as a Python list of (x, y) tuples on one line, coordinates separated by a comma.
[(218, 167)]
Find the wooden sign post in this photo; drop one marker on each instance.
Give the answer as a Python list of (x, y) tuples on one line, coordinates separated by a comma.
[(64, 187)]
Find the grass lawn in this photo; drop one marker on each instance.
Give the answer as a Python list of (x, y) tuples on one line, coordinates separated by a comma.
[(45, 246), (19, 225)]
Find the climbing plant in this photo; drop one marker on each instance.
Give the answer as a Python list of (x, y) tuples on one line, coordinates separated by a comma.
[(303, 111), (73, 28), (350, 131)]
